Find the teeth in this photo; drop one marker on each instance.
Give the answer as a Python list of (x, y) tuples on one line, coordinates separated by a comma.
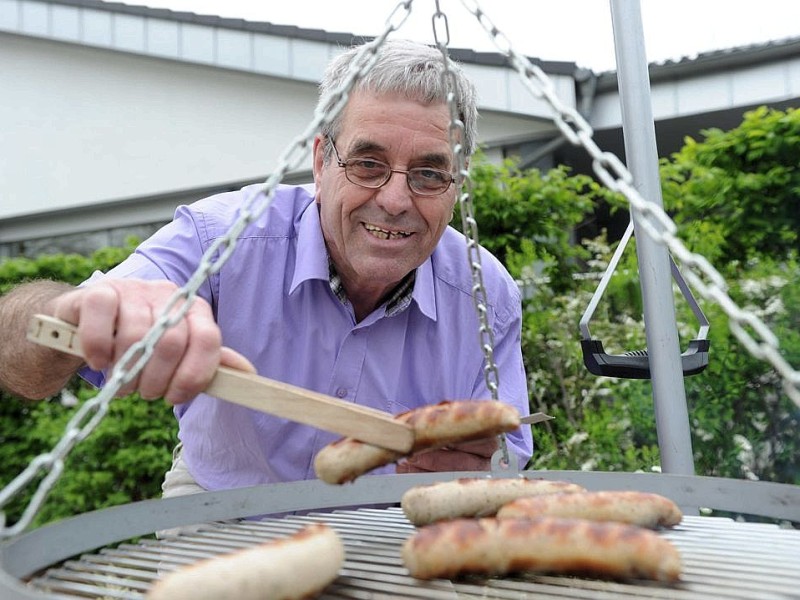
[(385, 234)]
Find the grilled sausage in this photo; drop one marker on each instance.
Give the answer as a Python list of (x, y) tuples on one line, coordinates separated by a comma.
[(299, 566), (473, 497), (435, 426), (548, 544), (635, 508)]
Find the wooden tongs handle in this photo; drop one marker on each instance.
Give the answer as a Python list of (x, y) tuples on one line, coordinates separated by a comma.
[(265, 395)]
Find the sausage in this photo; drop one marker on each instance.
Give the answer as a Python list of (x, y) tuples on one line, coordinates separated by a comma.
[(635, 508), (491, 546), (435, 426), (473, 497), (298, 566)]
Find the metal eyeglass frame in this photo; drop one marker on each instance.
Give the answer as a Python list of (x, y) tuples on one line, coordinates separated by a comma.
[(345, 163)]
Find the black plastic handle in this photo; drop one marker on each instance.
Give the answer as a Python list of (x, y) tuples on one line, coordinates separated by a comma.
[(636, 365)]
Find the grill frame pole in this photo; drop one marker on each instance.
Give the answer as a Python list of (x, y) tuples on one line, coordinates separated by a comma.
[(663, 345)]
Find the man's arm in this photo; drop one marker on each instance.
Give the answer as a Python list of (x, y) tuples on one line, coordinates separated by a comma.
[(27, 369), (112, 315)]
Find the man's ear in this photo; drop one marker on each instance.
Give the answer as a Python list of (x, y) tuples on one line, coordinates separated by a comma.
[(318, 154)]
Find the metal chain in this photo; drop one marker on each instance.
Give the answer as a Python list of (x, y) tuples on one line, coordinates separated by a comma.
[(441, 35), (656, 223), (89, 415)]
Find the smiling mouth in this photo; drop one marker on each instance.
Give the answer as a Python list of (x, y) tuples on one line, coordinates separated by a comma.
[(385, 234)]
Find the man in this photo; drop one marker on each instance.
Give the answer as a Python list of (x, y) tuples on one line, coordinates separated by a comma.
[(354, 287)]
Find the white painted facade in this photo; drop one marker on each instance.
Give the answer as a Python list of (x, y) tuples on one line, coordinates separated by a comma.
[(112, 119), (731, 87), (111, 115), (85, 126)]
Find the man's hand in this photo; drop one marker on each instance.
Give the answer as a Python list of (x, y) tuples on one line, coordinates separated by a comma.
[(467, 456), (114, 314)]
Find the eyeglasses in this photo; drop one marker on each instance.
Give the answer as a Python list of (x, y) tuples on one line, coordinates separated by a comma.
[(373, 174)]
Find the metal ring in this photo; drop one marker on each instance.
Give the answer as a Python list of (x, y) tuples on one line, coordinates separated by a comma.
[(500, 464)]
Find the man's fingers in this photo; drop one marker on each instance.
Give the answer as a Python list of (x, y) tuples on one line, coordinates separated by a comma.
[(113, 315), (444, 459), (180, 392), (94, 310), (202, 356), (231, 358), (164, 366), (485, 447)]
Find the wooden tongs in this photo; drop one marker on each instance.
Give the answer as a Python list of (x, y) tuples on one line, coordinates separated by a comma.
[(265, 395)]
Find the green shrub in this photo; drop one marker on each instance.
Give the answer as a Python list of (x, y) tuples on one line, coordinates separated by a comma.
[(735, 198), (527, 217), (123, 460), (742, 186)]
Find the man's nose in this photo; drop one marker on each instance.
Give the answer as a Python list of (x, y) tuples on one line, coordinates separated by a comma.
[(394, 196)]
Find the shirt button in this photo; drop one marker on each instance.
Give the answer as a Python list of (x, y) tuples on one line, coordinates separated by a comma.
[(341, 392)]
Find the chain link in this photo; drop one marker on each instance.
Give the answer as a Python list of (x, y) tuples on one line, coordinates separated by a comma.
[(49, 466), (656, 223)]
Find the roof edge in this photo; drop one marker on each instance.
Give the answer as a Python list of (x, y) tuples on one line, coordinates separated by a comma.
[(707, 62), (464, 55)]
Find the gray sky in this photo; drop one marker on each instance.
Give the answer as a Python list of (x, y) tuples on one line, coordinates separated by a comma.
[(570, 30)]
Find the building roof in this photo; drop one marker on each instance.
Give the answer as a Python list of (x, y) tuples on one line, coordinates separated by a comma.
[(716, 59), (291, 31), (713, 61), (124, 37)]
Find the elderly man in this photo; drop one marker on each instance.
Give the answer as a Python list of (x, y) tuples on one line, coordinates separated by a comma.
[(354, 287)]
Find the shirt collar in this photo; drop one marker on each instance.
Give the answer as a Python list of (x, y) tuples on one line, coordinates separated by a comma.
[(312, 255), (398, 300), (313, 262)]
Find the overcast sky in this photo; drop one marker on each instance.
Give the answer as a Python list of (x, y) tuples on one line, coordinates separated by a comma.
[(577, 31)]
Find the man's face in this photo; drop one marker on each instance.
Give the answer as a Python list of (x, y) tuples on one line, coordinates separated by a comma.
[(377, 236)]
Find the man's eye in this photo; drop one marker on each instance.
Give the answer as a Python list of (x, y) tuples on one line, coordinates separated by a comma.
[(365, 164), (432, 175)]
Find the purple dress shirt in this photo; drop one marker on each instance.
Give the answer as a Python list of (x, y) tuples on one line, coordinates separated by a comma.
[(273, 302)]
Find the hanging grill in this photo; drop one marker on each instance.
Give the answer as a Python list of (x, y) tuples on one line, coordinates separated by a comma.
[(80, 557)]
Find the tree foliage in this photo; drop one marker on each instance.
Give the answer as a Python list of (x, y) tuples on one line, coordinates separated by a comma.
[(527, 217), (734, 196), (123, 460), (69, 268), (742, 423), (737, 193)]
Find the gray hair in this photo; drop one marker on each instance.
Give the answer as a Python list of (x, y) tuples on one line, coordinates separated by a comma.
[(411, 69)]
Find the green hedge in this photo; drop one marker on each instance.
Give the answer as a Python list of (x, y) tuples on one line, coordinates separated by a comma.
[(124, 460)]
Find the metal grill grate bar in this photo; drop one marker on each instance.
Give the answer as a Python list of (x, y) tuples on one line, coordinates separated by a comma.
[(722, 558)]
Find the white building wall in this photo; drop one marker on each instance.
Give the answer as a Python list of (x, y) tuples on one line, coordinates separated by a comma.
[(89, 127), (111, 117), (83, 126), (727, 89)]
